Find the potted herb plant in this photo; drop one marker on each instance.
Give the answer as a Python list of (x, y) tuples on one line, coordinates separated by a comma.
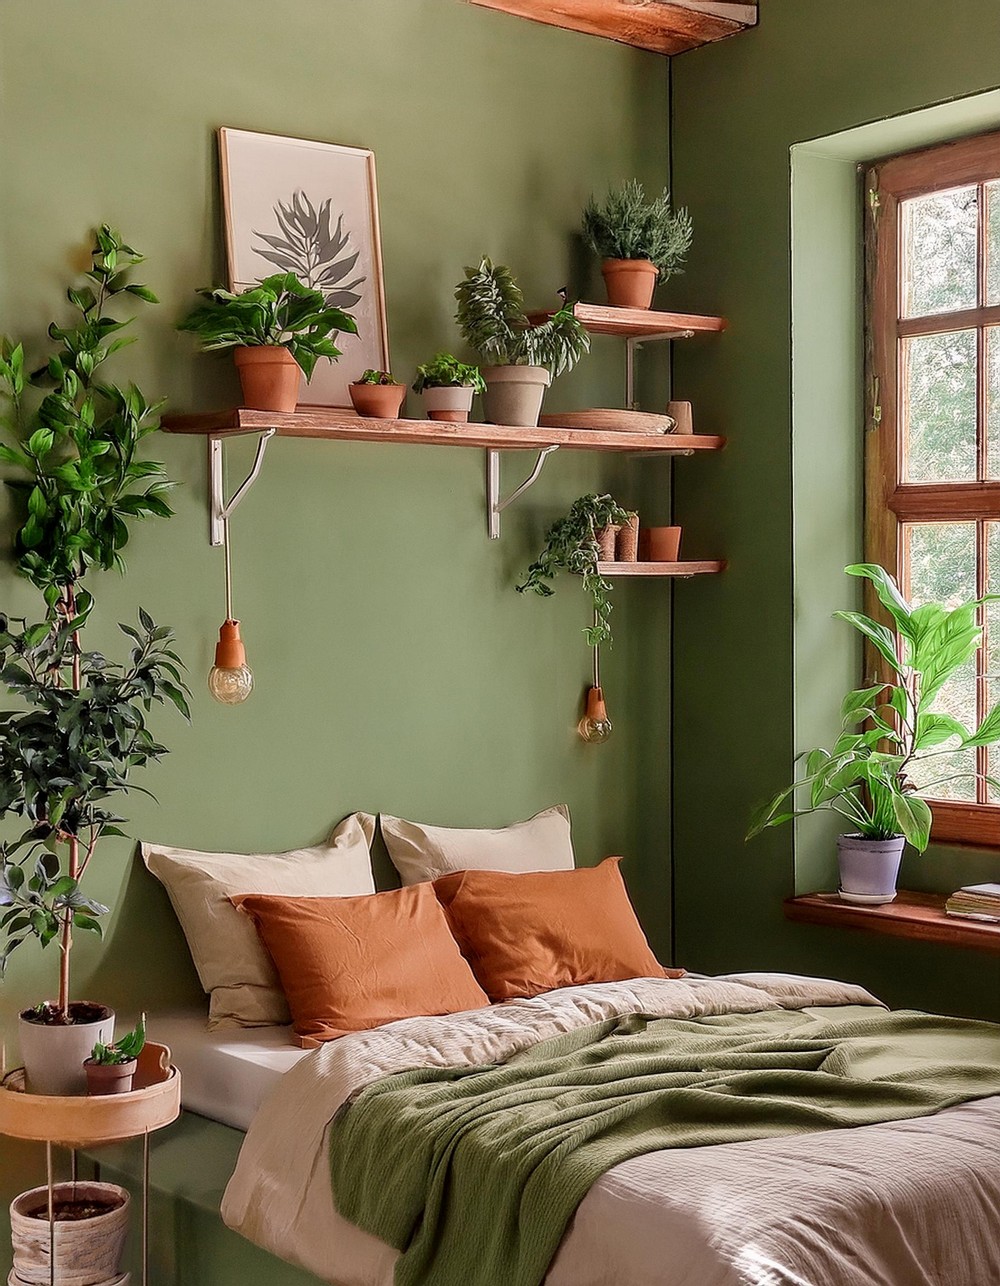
[(378, 395), (111, 1068), (448, 387), (278, 330), (572, 544), (888, 730), (639, 242), (523, 358), (78, 729)]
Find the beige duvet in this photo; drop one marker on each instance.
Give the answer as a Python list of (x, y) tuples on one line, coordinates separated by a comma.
[(914, 1203)]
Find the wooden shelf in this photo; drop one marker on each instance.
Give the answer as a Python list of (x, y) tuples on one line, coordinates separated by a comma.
[(661, 569), (324, 422), (639, 323), (662, 26), (920, 916)]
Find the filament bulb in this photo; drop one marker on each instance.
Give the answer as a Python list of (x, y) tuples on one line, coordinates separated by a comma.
[(595, 726), (231, 679)]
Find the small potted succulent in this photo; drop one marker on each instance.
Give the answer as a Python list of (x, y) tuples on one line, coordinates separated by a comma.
[(524, 358), (277, 330), (378, 395), (448, 387), (639, 242), (111, 1068)]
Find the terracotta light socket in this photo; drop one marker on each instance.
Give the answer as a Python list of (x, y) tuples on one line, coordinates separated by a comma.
[(597, 710), (230, 653)]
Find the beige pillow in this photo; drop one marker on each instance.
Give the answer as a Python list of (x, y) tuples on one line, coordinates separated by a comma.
[(420, 852), (233, 966)]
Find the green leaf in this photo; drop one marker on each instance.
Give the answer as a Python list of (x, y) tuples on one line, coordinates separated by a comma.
[(888, 594), (860, 704), (933, 729), (913, 816), (879, 635), (988, 732)]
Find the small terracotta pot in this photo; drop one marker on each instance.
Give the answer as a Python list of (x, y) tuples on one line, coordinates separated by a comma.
[(628, 540), (630, 282), (270, 377), (660, 544), (378, 401), (450, 403), (606, 539), (114, 1078), (682, 416)]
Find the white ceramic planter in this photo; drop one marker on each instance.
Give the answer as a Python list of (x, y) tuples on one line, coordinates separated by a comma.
[(53, 1056), (452, 403), (514, 394), (88, 1252), (123, 1279), (869, 867)]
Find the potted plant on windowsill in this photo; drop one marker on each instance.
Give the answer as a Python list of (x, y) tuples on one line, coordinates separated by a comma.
[(111, 1068), (523, 358), (378, 395), (890, 732), (277, 330), (79, 727), (639, 242), (448, 387)]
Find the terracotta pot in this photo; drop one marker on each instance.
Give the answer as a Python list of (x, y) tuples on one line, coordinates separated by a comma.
[(682, 416), (379, 401), (869, 867), (660, 544), (514, 394), (606, 540), (270, 377), (630, 282), (88, 1252), (53, 1056), (109, 1078), (627, 545), (452, 403)]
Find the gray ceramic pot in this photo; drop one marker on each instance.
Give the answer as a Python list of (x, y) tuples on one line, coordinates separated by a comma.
[(869, 867), (514, 394), (53, 1056)]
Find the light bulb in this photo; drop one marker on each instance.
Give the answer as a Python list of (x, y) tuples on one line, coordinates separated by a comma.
[(231, 679), (595, 726)]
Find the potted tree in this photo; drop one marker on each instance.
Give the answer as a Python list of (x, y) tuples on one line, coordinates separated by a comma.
[(78, 730), (377, 394), (448, 387), (278, 330), (639, 242), (887, 730), (523, 358)]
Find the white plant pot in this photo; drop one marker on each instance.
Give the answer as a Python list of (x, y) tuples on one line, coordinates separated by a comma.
[(514, 394), (123, 1279), (88, 1252), (53, 1056), (869, 868), (452, 403)]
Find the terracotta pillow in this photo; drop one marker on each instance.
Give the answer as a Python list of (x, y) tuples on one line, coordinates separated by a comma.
[(529, 933), (353, 963)]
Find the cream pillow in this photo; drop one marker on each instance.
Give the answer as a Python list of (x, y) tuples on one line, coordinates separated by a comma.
[(233, 966), (420, 852)]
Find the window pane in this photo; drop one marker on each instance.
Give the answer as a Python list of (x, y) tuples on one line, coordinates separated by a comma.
[(939, 407), (993, 403), (993, 644), (939, 252), (993, 243)]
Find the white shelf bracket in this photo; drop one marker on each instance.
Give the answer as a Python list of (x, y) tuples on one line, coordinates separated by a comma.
[(219, 510), (494, 505)]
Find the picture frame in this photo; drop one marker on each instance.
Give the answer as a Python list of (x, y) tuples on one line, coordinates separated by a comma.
[(309, 207)]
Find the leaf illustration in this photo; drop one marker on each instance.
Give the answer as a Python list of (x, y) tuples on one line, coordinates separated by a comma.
[(317, 253)]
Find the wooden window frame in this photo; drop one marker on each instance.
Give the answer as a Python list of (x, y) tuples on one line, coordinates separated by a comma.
[(890, 502)]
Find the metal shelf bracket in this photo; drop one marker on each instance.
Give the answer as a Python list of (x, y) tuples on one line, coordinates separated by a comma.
[(219, 511), (494, 505)]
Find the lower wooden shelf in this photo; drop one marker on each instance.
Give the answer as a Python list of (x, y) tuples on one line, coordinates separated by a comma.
[(661, 569), (920, 916)]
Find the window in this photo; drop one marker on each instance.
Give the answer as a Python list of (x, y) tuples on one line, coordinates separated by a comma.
[(932, 509)]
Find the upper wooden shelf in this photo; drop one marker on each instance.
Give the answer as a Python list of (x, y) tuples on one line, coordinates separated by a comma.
[(663, 26), (705, 568), (920, 916), (639, 323), (328, 422)]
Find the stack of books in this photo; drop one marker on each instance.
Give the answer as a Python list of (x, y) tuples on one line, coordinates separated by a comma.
[(976, 902)]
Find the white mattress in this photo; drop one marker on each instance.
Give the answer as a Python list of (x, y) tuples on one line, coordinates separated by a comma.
[(227, 1074)]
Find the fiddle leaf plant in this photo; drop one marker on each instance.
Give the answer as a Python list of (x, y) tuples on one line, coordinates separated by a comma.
[(571, 546)]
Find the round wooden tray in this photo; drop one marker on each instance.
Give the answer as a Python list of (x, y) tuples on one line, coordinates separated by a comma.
[(87, 1120)]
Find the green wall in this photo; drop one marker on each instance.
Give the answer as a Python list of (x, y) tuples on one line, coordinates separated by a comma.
[(758, 665)]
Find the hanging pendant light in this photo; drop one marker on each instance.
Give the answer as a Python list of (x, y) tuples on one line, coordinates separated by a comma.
[(230, 680), (595, 726)]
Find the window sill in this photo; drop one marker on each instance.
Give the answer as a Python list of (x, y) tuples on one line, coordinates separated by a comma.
[(919, 916)]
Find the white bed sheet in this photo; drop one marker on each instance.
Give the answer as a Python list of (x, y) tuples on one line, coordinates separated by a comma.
[(225, 1074)]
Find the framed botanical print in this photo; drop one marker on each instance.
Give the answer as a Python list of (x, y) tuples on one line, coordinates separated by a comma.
[(294, 205)]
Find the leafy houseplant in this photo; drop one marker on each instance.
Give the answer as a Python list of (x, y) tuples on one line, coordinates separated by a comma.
[(275, 328), (377, 394), (448, 387), (638, 241), (887, 730), (571, 545), (524, 358), (111, 1068), (79, 728)]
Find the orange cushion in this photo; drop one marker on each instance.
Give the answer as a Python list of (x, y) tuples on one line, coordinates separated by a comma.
[(352, 963), (528, 933)]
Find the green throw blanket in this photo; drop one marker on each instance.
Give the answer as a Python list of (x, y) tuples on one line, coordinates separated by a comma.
[(474, 1174)]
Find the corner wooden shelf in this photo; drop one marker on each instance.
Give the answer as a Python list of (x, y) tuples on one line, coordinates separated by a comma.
[(639, 323), (920, 916), (662, 26), (675, 570)]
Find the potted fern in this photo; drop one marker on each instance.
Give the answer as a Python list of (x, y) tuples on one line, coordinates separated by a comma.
[(522, 359), (378, 395), (448, 387), (277, 331), (639, 242), (78, 729)]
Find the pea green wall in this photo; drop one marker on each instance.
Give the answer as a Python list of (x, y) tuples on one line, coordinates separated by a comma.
[(758, 665), (396, 668)]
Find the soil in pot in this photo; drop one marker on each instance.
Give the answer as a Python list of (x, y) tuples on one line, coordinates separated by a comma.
[(110, 1078), (53, 1051), (378, 401), (270, 377), (630, 282), (514, 394)]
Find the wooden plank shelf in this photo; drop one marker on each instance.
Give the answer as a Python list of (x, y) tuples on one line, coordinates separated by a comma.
[(663, 26), (639, 323), (920, 916), (704, 568), (338, 425)]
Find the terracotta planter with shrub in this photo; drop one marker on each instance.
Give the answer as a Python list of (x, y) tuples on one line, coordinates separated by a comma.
[(514, 394), (630, 282), (53, 1053), (378, 401), (90, 1228), (109, 1078), (450, 403), (270, 377)]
